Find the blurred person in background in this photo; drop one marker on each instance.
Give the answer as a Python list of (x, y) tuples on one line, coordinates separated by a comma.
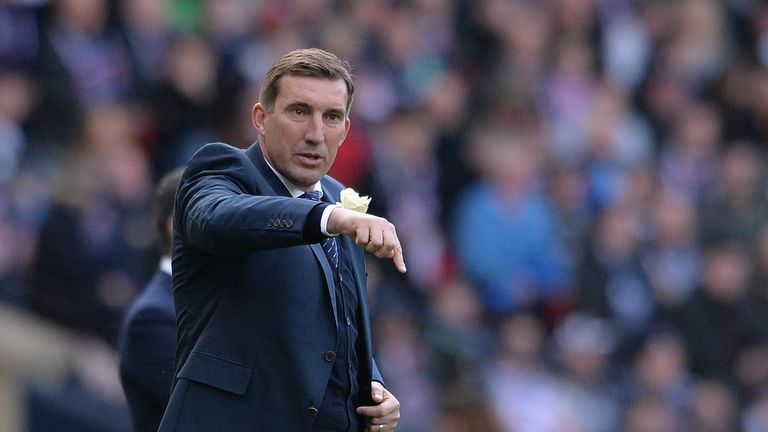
[(505, 227), (722, 319), (583, 346), (83, 63), (148, 334), (672, 258), (651, 414), (696, 48), (400, 344), (446, 105), (148, 32), (737, 206), (16, 227), (658, 370), (466, 410), (625, 43), (754, 417), (184, 109), (405, 174), (617, 144), (761, 268), (524, 393), (612, 282), (20, 40), (713, 408), (16, 102), (457, 335), (95, 247), (689, 159)]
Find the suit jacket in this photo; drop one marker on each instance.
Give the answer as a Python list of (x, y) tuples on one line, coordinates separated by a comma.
[(255, 302), (146, 347)]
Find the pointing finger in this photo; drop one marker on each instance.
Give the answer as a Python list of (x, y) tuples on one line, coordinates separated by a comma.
[(399, 261)]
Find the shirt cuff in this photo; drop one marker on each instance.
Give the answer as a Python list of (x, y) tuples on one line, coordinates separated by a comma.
[(324, 220)]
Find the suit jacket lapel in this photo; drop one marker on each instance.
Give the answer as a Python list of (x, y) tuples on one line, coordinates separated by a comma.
[(328, 197), (328, 273)]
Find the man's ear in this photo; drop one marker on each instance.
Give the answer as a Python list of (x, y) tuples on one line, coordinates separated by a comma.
[(258, 113), (347, 124)]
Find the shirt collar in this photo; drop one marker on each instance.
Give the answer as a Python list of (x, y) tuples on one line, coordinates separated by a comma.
[(292, 189), (165, 264)]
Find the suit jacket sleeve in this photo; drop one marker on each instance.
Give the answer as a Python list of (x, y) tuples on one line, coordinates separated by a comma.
[(225, 205)]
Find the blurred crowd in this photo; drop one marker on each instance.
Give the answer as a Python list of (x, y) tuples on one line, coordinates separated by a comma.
[(580, 187)]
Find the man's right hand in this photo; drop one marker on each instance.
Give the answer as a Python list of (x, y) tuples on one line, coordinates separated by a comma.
[(377, 235)]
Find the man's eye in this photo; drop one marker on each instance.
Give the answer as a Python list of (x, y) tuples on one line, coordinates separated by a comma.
[(299, 111)]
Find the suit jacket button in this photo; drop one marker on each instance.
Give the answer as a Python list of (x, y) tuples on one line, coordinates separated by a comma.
[(329, 356), (312, 411)]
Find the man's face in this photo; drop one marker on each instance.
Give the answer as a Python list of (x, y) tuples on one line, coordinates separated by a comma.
[(301, 135)]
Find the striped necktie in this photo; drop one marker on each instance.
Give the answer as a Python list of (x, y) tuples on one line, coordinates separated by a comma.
[(329, 245)]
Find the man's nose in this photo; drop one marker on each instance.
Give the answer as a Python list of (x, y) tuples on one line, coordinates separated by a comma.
[(314, 131)]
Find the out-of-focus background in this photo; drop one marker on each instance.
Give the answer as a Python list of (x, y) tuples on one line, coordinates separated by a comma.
[(580, 187)]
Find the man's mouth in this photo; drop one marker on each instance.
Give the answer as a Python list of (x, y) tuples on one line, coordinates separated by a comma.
[(310, 158)]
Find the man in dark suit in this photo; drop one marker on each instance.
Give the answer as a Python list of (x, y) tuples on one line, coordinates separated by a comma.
[(148, 335), (269, 275)]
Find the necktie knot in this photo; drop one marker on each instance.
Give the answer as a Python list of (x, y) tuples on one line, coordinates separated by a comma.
[(311, 195)]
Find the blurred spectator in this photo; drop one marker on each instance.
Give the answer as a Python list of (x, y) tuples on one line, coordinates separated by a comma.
[(617, 142), (184, 106), (19, 39), (95, 247), (612, 282), (11, 270), (406, 175), (15, 105), (697, 47), (446, 105), (399, 344), (652, 415), (672, 257), (722, 319), (583, 347), (713, 408), (147, 342), (755, 416), (659, 371), (737, 207), (505, 232), (525, 396), (570, 91), (465, 410), (626, 43), (688, 162), (457, 335), (83, 63), (147, 30)]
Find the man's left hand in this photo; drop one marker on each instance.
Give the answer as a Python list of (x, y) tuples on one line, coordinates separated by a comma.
[(383, 416)]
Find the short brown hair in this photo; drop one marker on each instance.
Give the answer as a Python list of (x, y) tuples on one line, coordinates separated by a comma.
[(310, 62)]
